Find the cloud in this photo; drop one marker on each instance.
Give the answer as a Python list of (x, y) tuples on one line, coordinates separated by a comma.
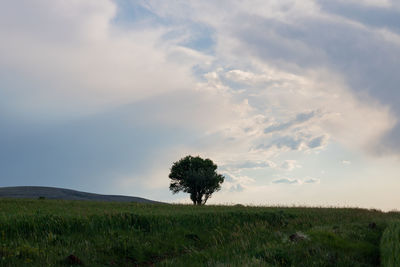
[(249, 165), (317, 142), (64, 60), (236, 188), (346, 162), (86, 152), (300, 69), (100, 99), (288, 142), (312, 181), (300, 118), (296, 181), (126, 145), (99, 92), (379, 14), (290, 165), (313, 40), (297, 142), (112, 66), (236, 183), (287, 181)]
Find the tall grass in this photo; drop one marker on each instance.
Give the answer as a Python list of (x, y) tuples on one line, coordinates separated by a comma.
[(46, 232), (390, 246)]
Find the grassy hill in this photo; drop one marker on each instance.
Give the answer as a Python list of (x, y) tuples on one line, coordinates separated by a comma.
[(64, 233), (62, 193)]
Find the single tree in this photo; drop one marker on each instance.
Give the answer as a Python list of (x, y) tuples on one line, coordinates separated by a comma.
[(195, 176)]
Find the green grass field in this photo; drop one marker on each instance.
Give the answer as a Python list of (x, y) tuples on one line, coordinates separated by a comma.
[(390, 246), (46, 232)]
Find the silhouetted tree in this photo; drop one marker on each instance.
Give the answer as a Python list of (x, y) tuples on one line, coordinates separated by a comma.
[(195, 176)]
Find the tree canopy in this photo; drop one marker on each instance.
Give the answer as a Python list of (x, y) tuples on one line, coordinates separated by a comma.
[(195, 176)]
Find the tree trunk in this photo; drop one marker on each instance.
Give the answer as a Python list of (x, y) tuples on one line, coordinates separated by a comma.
[(197, 199), (193, 198), (206, 196)]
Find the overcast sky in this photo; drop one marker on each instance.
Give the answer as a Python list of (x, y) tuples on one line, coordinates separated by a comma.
[(297, 101)]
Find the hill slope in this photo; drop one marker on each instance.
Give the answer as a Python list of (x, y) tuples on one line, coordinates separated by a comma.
[(62, 193)]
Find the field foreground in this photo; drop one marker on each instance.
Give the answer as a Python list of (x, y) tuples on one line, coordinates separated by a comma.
[(65, 233)]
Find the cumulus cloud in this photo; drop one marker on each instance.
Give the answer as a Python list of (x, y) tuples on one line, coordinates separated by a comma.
[(69, 58), (316, 41), (236, 182)]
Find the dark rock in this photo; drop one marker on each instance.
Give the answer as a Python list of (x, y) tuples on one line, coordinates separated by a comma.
[(74, 260), (297, 237)]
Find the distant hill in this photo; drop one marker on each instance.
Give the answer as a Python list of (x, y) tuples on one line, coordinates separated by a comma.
[(62, 193)]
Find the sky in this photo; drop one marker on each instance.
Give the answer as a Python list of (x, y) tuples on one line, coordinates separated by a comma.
[(296, 101)]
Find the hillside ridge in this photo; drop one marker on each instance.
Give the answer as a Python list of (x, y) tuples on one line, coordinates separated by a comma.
[(65, 194)]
